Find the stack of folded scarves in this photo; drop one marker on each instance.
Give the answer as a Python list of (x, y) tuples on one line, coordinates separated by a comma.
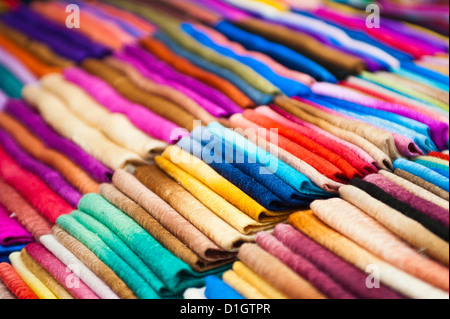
[(431, 14), (132, 210)]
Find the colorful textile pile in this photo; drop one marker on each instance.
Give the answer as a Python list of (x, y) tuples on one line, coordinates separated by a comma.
[(223, 149)]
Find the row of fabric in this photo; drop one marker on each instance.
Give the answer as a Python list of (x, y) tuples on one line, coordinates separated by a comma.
[(221, 149)]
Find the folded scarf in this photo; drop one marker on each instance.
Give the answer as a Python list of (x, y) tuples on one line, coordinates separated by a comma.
[(437, 167), (189, 207), (256, 281), (10, 84), (95, 264), (15, 283), (423, 183), (404, 283), (97, 116), (241, 286), (439, 155), (438, 67), (218, 289), (29, 278), (433, 159), (440, 169), (23, 212), (11, 232), (72, 262), (277, 274), (70, 126), (157, 231), (5, 251), (362, 229), (36, 192), (404, 227), (36, 124)]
